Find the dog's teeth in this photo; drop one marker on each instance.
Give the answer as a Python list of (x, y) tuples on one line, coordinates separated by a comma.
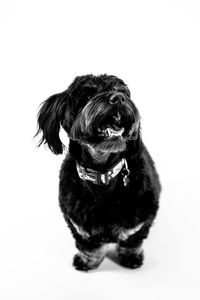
[(110, 132)]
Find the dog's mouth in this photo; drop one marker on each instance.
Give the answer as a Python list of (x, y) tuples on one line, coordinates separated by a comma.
[(111, 131), (113, 127)]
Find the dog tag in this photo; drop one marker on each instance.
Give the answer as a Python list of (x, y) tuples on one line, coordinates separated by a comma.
[(125, 173), (126, 180)]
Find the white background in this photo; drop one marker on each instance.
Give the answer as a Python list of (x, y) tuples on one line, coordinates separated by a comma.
[(154, 46)]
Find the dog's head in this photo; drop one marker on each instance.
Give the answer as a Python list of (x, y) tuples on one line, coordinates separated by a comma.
[(96, 111)]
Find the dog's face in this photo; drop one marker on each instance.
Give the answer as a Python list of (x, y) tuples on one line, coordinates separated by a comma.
[(96, 111)]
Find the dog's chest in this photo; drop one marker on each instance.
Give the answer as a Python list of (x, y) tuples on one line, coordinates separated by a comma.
[(109, 233)]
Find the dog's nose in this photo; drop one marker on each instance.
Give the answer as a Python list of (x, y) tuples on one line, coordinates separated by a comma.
[(117, 98)]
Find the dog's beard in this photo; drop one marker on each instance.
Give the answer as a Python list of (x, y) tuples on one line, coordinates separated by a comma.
[(105, 127)]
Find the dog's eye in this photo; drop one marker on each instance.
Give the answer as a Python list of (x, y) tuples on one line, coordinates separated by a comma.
[(89, 92)]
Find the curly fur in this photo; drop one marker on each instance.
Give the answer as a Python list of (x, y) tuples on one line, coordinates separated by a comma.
[(101, 214)]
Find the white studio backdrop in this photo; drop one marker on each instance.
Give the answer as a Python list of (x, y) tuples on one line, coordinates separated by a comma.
[(154, 47)]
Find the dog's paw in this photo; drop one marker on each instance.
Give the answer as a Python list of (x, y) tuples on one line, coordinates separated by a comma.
[(79, 263), (83, 263), (131, 260)]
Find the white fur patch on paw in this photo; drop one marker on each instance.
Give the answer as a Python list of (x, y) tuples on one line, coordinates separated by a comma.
[(93, 258)]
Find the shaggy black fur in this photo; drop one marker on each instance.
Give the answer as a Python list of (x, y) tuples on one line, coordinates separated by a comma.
[(101, 214)]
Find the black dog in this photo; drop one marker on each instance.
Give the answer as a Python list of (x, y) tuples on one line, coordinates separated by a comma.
[(109, 188)]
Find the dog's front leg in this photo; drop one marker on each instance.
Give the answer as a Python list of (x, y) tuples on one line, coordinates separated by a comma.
[(91, 252), (88, 257), (130, 253)]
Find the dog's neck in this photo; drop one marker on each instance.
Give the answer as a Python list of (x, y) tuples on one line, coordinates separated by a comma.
[(98, 157), (89, 158), (97, 160)]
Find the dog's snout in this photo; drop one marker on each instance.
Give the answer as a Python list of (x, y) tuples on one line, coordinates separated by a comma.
[(117, 98)]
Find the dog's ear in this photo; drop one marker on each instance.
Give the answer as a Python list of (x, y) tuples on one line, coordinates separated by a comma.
[(136, 130), (135, 144), (49, 119)]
